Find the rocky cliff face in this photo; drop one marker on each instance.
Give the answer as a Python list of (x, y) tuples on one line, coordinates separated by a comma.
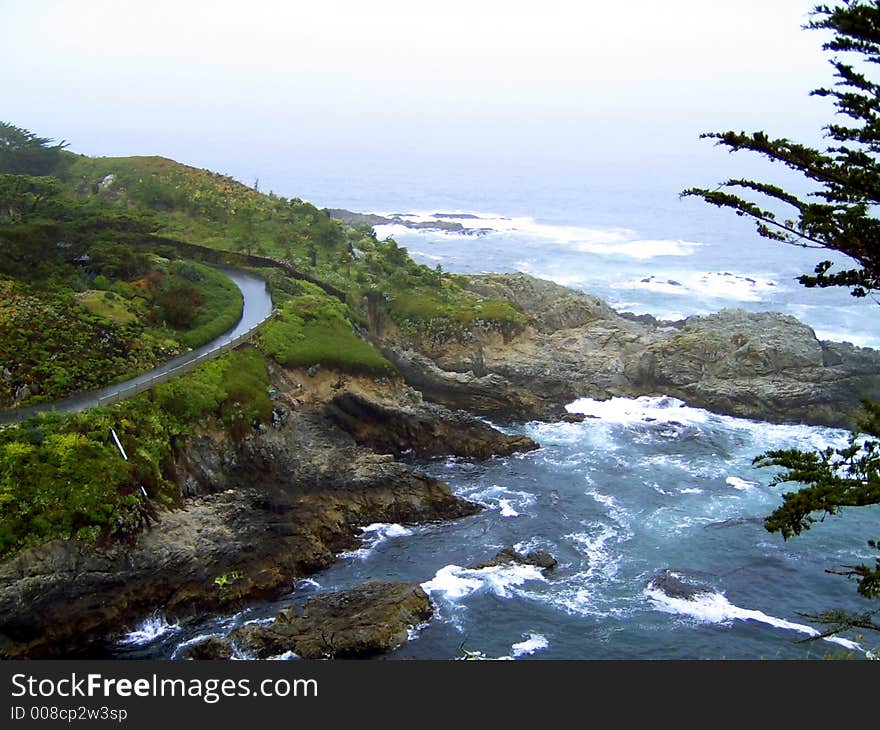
[(765, 366), (258, 514)]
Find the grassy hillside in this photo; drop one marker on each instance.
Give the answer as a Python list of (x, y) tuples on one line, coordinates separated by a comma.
[(62, 476), (97, 282)]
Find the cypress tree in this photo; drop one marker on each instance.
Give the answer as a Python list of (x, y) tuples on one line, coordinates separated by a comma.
[(839, 214)]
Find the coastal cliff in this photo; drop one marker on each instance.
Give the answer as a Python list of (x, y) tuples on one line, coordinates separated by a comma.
[(266, 508), (260, 512), (764, 366)]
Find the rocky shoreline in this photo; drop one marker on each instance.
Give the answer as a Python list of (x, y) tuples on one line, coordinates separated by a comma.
[(282, 502), (763, 366), (259, 514)]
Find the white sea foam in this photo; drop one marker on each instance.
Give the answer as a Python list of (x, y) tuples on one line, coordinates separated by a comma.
[(597, 542), (413, 631), (150, 629), (600, 241), (479, 656), (190, 642), (671, 521), (659, 410), (690, 490), (432, 257), (532, 544), (373, 535), (286, 656), (705, 284), (506, 509), (582, 594), (711, 607), (508, 501), (574, 597), (531, 644), (740, 484), (646, 409), (454, 582)]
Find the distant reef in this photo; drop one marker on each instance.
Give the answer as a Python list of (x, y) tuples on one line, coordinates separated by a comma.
[(436, 223)]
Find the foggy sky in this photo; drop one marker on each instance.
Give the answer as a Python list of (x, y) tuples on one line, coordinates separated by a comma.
[(258, 88)]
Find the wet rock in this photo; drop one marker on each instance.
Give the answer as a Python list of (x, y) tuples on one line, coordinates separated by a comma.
[(211, 648), (425, 429), (505, 556), (370, 619), (262, 511), (764, 365), (574, 418), (680, 584)]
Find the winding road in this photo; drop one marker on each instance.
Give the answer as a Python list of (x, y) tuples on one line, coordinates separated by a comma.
[(256, 309)]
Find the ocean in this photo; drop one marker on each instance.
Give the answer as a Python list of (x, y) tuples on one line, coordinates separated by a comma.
[(648, 493)]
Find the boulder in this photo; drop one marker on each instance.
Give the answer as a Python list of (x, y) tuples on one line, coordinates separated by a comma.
[(505, 556), (213, 647), (680, 584), (371, 619)]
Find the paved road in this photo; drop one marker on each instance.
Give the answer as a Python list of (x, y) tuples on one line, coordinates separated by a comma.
[(257, 308)]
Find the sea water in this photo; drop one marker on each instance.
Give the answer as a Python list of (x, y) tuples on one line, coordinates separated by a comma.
[(642, 488)]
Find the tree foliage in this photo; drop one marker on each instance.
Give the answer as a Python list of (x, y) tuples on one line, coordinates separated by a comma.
[(840, 214), (24, 153)]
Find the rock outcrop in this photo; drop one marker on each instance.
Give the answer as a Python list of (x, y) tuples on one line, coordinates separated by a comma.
[(540, 559), (257, 513), (766, 366), (370, 619), (680, 584), (423, 429)]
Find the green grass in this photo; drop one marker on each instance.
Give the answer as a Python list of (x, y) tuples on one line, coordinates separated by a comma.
[(446, 312), (107, 305), (220, 310), (54, 346), (62, 477), (313, 329)]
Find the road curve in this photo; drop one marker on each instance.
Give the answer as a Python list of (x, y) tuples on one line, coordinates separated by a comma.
[(256, 309)]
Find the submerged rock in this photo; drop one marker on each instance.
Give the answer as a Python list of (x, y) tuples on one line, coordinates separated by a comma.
[(505, 556), (680, 584)]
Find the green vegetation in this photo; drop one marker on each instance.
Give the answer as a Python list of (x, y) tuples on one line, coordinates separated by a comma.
[(23, 153), (215, 211), (52, 345), (841, 215), (314, 329), (63, 477), (80, 312), (214, 306), (423, 302), (225, 580), (63, 336), (98, 282)]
